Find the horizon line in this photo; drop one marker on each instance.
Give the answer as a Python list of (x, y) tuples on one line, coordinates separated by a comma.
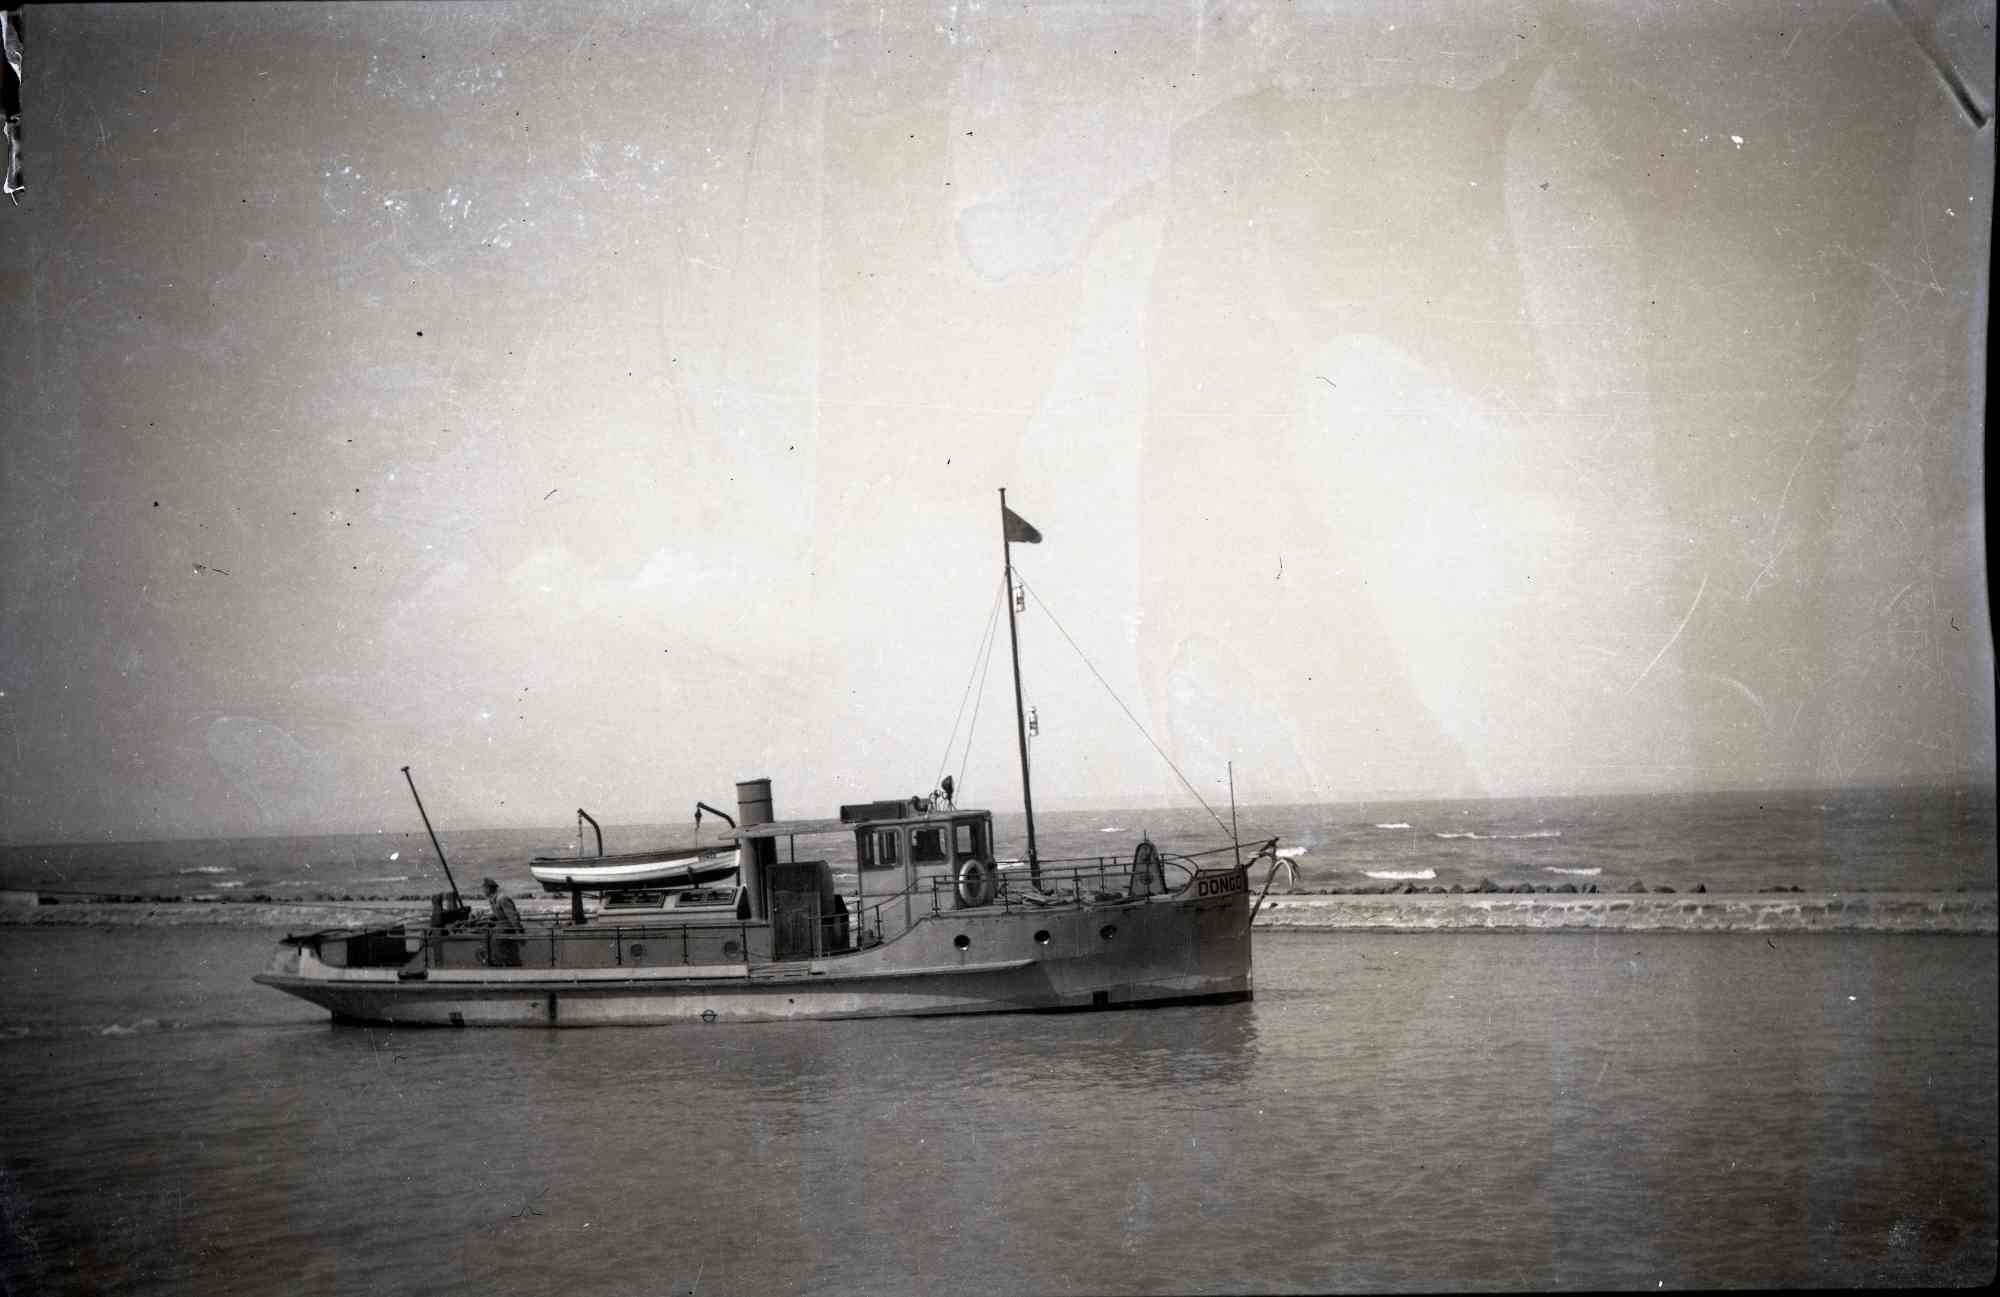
[(1071, 806)]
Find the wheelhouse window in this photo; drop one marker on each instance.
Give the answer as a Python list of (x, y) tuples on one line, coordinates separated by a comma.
[(885, 847), (970, 839), (926, 846)]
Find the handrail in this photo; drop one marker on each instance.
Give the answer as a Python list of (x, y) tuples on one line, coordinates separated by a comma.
[(489, 939), (1066, 881), (1107, 871), (1015, 864), (1066, 885)]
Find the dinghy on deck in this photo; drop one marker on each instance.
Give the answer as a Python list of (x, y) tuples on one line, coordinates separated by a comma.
[(638, 869)]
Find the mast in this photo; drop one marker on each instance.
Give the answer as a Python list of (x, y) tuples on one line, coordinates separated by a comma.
[(457, 903), (1235, 840), (1020, 716)]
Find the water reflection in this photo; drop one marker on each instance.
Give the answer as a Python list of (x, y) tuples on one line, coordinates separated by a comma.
[(1115, 1052), (1160, 1050)]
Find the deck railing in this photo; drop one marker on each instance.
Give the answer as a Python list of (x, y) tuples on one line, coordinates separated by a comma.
[(552, 943), (1092, 879), (548, 943), (1096, 879)]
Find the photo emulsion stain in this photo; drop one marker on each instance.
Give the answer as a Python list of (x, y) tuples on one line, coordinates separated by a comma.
[(950, 648)]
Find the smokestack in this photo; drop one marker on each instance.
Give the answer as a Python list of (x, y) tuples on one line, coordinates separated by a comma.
[(753, 807), (753, 802)]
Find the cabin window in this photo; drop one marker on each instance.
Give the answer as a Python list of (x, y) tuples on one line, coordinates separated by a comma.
[(635, 900), (926, 845), (708, 897), (971, 835)]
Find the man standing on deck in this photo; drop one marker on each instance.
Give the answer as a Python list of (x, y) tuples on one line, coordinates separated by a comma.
[(506, 920)]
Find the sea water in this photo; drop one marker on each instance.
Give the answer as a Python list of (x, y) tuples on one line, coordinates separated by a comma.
[(1909, 839), (1392, 1111)]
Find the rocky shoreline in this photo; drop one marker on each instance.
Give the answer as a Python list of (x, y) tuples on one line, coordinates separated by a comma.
[(1404, 910)]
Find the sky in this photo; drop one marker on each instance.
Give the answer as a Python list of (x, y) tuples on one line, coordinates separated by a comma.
[(600, 404)]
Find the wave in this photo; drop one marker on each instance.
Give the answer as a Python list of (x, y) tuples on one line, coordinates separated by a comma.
[(389, 878), (1114, 828), (206, 869), (1399, 875), (1397, 825), (1290, 853), (138, 1027), (143, 1024), (232, 882), (1592, 872), (1503, 837)]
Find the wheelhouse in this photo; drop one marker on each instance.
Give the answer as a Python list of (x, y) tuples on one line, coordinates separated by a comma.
[(949, 839)]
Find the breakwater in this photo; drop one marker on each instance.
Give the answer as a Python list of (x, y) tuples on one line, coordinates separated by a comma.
[(1964, 912), (1973, 912), (305, 916)]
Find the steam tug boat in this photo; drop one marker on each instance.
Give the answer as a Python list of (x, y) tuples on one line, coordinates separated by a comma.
[(933, 924)]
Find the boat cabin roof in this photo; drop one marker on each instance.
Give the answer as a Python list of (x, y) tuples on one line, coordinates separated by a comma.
[(803, 828)]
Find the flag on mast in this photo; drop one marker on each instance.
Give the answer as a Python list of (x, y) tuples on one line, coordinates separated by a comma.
[(1017, 528)]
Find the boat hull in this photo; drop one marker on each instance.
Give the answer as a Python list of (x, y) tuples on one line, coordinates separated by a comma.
[(1161, 950)]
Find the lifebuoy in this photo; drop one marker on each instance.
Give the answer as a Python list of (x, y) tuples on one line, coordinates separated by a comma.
[(975, 884)]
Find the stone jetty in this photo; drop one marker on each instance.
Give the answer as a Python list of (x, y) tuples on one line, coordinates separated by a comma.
[(1699, 911)]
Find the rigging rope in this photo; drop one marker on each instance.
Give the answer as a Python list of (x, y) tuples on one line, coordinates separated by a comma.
[(992, 642), (1121, 703), (984, 655)]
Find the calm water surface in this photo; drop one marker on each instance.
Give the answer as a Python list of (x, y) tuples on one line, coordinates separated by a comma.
[(1392, 1111)]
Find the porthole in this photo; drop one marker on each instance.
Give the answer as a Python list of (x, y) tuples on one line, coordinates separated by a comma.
[(962, 941), (731, 950), (1042, 937), (637, 951), (1108, 931)]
